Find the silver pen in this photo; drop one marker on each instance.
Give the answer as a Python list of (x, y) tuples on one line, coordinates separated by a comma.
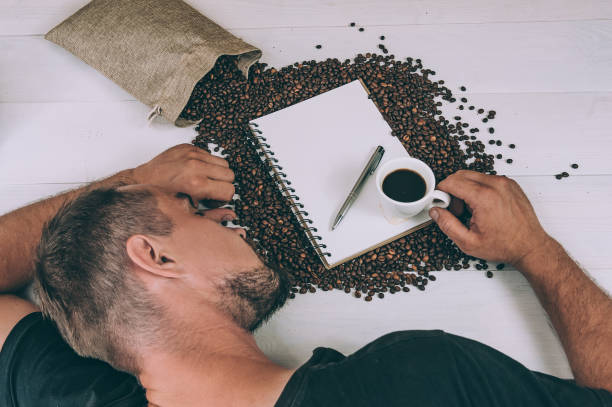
[(352, 196)]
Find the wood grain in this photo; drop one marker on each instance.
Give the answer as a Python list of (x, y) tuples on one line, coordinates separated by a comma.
[(487, 58), (543, 65), (39, 16), (573, 210)]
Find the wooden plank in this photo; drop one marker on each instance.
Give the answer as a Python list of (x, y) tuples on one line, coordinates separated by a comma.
[(550, 130), (574, 210), (544, 128), (487, 58), (79, 142), (38, 16), (501, 312)]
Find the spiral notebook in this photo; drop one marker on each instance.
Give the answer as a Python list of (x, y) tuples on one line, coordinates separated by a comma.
[(317, 149)]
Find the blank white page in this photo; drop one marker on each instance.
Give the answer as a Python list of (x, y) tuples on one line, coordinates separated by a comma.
[(323, 144)]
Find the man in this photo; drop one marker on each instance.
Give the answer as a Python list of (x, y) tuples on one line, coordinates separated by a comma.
[(135, 275)]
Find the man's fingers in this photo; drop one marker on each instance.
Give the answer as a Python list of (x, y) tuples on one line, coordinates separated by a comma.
[(204, 188), (461, 187), (219, 214), (213, 171), (474, 176), (457, 206), (203, 155), (452, 227)]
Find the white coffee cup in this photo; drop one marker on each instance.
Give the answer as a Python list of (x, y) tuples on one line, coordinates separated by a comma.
[(432, 197)]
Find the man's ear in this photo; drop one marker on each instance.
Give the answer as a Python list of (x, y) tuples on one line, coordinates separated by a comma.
[(148, 253)]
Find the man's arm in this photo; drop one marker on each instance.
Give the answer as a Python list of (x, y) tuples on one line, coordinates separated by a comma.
[(504, 228), (20, 232), (580, 311), (183, 168)]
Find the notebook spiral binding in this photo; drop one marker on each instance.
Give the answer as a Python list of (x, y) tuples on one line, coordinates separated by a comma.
[(297, 207)]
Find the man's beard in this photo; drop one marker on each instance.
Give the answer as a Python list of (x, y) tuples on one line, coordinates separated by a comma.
[(252, 296)]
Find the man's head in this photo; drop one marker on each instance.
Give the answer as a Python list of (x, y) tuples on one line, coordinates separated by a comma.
[(115, 267)]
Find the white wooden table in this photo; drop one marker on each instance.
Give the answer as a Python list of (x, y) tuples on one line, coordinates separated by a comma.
[(545, 66)]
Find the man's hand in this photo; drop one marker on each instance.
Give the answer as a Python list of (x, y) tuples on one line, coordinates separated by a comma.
[(503, 226), (191, 170)]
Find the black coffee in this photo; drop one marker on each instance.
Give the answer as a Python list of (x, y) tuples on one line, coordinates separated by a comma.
[(404, 185)]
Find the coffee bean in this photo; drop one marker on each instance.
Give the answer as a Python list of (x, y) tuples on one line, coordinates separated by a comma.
[(319, 46), (484, 120), (564, 174), (500, 266), (498, 156), (491, 130), (558, 176), (457, 117), (460, 107), (352, 24), (480, 111), (509, 160), (471, 108), (464, 100), (511, 145), (409, 102), (368, 298), (463, 89), (382, 37), (498, 143), (489, 274), (574, 166), (381, 295), (362, 30), (491, 141)]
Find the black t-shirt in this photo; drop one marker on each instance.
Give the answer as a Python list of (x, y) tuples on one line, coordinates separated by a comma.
[(409, 368)]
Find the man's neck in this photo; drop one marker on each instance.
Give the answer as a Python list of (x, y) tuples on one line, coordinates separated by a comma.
[(218, 364)]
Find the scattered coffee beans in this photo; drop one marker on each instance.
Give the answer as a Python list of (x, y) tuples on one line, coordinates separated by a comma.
[(409, 101)]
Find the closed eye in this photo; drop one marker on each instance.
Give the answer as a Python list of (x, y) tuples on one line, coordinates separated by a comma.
[(199, 213)]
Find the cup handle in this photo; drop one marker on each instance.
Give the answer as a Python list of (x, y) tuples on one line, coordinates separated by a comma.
[(443, 197)]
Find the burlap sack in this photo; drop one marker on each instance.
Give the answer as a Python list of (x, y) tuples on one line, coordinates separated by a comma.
[(157, 50)]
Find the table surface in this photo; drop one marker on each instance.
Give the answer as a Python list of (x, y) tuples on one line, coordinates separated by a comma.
[(544, 65)]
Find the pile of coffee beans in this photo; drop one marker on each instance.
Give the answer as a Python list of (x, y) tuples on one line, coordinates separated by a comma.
[(408, 98)]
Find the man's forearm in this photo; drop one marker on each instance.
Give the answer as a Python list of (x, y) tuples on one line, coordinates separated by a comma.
[(20, 232), (580, 311)]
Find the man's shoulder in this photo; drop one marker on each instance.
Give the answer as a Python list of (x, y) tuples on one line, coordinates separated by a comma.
[(398, 343)]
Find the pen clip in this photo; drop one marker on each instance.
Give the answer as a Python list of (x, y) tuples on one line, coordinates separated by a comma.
[(380, 150)]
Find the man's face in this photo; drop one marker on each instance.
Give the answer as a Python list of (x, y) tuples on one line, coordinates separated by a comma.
[(221, 263)]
